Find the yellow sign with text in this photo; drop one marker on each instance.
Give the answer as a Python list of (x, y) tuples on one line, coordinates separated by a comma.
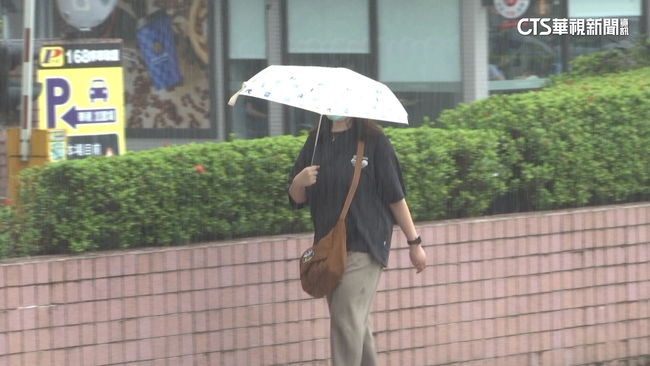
[(83, 93)]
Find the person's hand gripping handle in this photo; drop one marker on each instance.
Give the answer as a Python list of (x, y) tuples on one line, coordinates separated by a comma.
[(307, 176), (301, 181)]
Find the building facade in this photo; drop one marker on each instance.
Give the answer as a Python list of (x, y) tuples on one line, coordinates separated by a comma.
[(434, 54)]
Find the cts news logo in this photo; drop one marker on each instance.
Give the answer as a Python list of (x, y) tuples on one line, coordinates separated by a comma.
[(537, 24), (52, 57)]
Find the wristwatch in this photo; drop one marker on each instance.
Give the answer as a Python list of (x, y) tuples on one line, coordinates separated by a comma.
[(415, 241)]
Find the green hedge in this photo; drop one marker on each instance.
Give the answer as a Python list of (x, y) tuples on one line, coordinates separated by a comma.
[(158, 197), (613, 60), (580, 142), (449, 174), (197, 192)]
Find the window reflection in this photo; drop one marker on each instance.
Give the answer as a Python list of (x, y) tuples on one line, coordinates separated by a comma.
[(249, 115), (586, 45), (517, 61), (342, 41), (419, 55), (169, 108), (247, 57)]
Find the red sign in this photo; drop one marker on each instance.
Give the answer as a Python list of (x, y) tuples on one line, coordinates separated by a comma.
[(511, 9)]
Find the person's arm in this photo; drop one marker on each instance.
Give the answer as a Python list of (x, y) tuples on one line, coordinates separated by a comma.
[(304, 179), (302, 175), (298, 192), (391, 188), (403, 217)]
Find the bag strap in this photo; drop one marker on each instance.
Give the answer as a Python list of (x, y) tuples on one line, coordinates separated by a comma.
[(355, 180)]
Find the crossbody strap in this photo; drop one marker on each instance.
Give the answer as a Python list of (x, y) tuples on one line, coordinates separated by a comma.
[(355, 179)]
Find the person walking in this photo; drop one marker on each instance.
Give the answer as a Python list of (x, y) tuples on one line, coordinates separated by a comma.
[(379, 203)]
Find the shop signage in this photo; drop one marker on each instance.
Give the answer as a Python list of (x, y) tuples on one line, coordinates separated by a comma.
[(511, 9), (57, 145), (83, 93)]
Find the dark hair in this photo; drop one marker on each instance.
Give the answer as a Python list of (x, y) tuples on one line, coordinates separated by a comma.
[(362, 128)]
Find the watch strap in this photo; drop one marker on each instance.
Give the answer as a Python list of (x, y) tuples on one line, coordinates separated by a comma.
[(416, 241)]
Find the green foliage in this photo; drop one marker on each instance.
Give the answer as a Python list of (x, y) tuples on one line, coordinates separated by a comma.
[(579, 142), (448, 174), (7, 244), (610, 61), (158, 197), (576, 143)]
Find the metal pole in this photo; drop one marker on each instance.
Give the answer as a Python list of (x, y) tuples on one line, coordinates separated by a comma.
[(28, 71), (316, 141)]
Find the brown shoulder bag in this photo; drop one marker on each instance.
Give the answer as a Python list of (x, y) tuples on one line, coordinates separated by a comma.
[(323, 264)]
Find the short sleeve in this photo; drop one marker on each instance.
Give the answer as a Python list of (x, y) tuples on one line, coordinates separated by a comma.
[(390, 183), (303, 161)]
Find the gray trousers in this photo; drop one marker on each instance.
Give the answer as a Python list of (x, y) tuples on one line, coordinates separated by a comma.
[(351, 339)]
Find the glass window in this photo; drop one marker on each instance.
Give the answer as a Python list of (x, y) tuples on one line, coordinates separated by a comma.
[(415, 35), (170, 98), (419, 55), (333, 26), (45, 25), (518, 62), (247, 34), (247, 56), (333, 33), (615, 13), (604, 8)]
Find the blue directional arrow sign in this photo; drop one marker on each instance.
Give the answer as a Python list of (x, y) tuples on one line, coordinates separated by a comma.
[(89, 116)]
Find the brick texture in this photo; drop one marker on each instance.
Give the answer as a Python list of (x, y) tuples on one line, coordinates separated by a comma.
[(551, 288)]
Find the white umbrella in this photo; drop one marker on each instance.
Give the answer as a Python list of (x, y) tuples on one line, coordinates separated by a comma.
[(326, 91)]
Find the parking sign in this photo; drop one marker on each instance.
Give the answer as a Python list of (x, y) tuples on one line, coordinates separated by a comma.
[(83, 93)]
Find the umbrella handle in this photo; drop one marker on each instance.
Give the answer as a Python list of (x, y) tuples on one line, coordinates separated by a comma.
[(316, 142), (233, 99)]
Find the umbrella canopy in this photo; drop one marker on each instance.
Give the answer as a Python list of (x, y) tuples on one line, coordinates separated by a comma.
[(326, 91)]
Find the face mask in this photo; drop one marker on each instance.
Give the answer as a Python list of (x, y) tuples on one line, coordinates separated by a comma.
[(336, 118)]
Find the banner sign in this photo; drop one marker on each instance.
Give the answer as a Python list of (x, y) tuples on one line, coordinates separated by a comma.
[(83, 93), (156, 42)]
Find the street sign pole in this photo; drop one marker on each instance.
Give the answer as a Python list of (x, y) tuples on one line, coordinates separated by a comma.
[(27, 73)]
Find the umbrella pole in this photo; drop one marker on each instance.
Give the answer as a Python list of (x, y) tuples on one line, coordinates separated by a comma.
[(316, 142)]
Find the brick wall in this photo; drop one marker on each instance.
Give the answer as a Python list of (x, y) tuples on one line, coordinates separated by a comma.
[(554, 288)]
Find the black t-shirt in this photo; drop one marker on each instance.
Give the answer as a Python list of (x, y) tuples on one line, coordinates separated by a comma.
[(369, 223)]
